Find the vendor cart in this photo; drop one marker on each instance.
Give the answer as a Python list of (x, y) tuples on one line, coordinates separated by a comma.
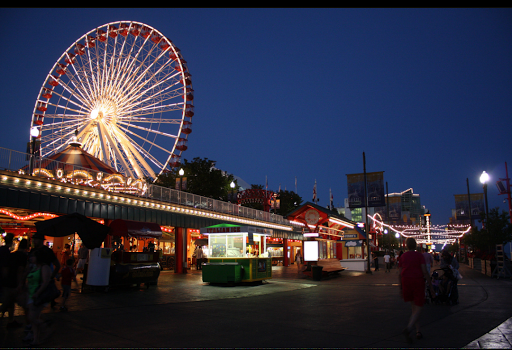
[(134, 268), (234, 254)]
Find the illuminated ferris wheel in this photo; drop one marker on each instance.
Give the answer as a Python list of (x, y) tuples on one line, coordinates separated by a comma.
[(126, 90)]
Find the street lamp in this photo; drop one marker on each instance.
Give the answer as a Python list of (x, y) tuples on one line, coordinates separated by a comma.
[(231, 192), (34, 133), (484, 178), (179, 181)]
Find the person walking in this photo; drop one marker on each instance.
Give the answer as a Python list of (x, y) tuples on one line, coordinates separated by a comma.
[(375, 261), (199, 258), (413, 274), (68, 275), (65, 255), (298, 260), (83, 254), (13, 275), (38, 278), (387, 262), (48, 257), (429, 260)]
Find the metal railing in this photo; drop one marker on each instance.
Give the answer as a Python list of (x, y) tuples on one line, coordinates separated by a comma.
[(25, 163)]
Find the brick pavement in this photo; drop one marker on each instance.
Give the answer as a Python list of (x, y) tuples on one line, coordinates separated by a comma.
[(353, 310)]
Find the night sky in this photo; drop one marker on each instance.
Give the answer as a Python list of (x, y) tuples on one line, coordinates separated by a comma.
[(302, 93)]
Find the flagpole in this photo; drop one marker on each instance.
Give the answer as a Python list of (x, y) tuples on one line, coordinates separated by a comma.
[(368, 269)]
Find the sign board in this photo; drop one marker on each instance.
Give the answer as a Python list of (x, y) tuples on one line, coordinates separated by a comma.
[(375, 190), (310, 250)]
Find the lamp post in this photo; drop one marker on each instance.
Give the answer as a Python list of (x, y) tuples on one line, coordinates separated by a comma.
[(484, 178), (181, 173), (231, 192), (34, 133)]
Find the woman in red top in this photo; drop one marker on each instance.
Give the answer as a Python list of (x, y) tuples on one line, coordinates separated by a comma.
[(413, 274)]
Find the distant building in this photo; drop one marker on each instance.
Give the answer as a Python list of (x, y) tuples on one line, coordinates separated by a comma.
[(404, 208)]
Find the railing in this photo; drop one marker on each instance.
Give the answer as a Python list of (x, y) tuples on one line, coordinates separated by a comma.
[(26, 163)]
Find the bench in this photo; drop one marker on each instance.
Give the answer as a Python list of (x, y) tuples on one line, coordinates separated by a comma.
[(329, 267)]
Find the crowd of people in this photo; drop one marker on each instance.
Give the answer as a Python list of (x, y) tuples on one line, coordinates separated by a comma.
[(26, 275)]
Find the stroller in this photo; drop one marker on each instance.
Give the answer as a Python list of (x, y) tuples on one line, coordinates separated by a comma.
[(445, 286)]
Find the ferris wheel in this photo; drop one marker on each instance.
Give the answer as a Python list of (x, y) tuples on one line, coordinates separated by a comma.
[(125, 90)]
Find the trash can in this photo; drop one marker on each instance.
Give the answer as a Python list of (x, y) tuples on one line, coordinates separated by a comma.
[(317, 272)]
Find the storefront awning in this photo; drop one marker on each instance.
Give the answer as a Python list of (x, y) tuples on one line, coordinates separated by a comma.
[(17, 231), (229, 228), (201, 241), (127, 228)]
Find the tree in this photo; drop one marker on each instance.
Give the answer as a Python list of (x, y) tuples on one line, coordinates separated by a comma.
[(388, 241), (496, 230), (202, 179), (289, 200)]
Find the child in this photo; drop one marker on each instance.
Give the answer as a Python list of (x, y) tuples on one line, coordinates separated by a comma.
[(68, 275)]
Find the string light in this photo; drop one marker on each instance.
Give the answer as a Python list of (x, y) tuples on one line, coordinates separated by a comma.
[(435, 230), (27, 217)]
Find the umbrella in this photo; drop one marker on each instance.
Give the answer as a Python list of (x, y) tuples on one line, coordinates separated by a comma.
[(201, 241), (91, 233)]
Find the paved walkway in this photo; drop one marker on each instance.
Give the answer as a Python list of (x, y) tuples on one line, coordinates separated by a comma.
[(352, 310)]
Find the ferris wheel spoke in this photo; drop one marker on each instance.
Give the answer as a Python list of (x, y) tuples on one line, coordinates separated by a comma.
[(150, 120), (79, 103), (151, 158), (133, 150), (66, 108), (149, 130), (144, 152), (162, 95), (80, 91), (53, 125), (130, 67), (146, 140), (146, 110), (83, 77), (116, 149), (139, 82), (54, 144)]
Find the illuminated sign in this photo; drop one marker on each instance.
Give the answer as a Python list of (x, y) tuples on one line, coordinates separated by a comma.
[(310, 250), (310, 234)]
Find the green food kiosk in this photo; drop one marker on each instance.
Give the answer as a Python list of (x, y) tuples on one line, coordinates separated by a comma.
[(235, 254)]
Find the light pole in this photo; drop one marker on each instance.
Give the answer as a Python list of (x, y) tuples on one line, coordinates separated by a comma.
[(484, 178), (231, 192), (181, 173), (179, 184), (34, 132)]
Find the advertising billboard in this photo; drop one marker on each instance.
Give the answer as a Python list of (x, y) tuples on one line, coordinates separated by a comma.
[(375, 188), (462, 206)]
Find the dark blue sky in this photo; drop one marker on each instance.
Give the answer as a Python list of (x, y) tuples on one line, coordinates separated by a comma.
[(285, 93)]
